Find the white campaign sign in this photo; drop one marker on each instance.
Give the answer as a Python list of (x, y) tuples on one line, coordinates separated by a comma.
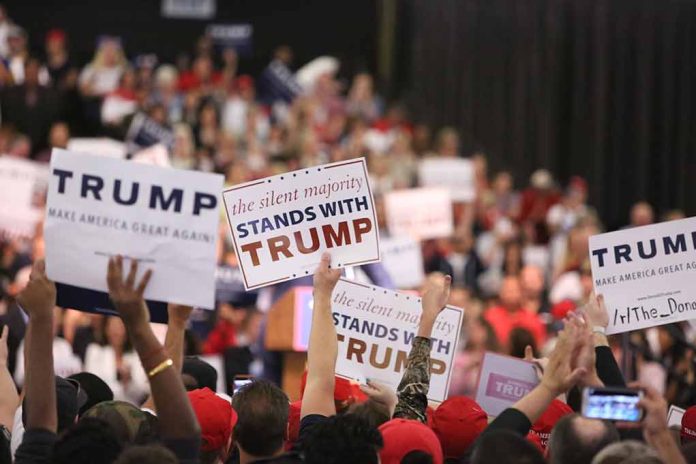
[(419, 213), (376, 328), (166, 218), (503, 381), (22, 190), (646, 274), (403, 260), (455, 174), (281, 225)]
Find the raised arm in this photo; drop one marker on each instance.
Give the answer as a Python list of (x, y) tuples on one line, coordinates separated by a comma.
[(597, 316), (174, 341), (38, 299), (323, 345), (9, 400), (415, 383), (177, 422), (655, 429)]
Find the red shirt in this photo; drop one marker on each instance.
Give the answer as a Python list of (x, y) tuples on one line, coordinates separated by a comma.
[(223, 336), (503, 321)]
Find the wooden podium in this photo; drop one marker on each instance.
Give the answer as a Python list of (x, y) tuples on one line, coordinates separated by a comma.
[(287, 331)]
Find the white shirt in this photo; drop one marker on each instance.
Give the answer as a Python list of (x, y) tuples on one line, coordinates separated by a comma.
[(65, 362)]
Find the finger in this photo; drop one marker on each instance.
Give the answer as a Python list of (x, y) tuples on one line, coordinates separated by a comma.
[(143, 282), (118, 275), (111, 273), (528, 353), (576, 375), (41, 267), (130, 279)]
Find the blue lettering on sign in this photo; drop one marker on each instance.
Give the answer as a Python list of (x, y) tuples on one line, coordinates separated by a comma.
[(625, 253), (93, 186)]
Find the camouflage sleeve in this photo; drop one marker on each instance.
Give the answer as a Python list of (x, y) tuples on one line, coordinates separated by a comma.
[(413, 389)]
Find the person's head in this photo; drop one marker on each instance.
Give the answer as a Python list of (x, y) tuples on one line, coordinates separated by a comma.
[(502, 183), (457, 422), (203, 67), (627, 452), (511, 293), (90, 440), (197, 373), (409, 441), (283, 54), (147, 454), (69, 399), (541, 180), (216, 418), (109, 53), (32, 66), (506, 447), (462, 241), (447, 142), (16, 40), (481, 335), (342, 439), (55, 41), (128, 422), (642, 214), (262, 411), (576, 439), (94, 387), (374, 413), (59, 135), (532, 280)]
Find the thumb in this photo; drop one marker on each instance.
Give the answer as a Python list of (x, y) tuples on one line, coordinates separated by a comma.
[(528, 353), (575, 376)]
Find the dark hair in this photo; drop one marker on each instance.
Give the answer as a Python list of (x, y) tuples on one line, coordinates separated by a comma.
[(90, 440), (262, 411), (568, 445), (375, 414), (147, 454), (417, 457), (342, 439), (519, 339), (505, 447)]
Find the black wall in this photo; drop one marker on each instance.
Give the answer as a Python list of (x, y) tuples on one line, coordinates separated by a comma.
[(345, 29)]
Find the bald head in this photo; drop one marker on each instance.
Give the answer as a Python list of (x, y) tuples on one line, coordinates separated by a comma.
[(576, 439)]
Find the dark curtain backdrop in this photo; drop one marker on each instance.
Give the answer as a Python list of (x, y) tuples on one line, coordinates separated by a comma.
[(599, 88)]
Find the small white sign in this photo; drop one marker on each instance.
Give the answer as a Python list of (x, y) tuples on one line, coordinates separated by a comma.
[(674, 416), (376, 327), (403, 259), (282, 224), (165, 218), (503, 381), (189, 9), (22, 194), (455, 174), (419, 213), (646, 274), (98, 146)]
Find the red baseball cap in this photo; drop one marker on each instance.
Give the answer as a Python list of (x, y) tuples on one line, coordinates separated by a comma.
[(215, 416), (55, 34), (561, 309), (346, 392), (535, 440), (457, 423), (542, 427), (688, 425), (294, 421), (402, 436)]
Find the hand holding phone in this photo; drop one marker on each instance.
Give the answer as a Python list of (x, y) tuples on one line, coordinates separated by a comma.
[(615, 404)]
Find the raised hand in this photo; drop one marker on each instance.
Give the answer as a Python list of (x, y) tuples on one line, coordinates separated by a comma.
[(596, 312), (381, 394), (560, 374), (539, 363), (39, 296), (125, 295), (325, 278), (435, 297)]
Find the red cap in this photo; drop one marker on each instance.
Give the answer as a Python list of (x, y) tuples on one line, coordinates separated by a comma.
[(294, 421), (542, 427), (688, 425), (561, 309), (215, 416), (55, 34), (457, 423), (245, 82), (403, 436), (346, 392), (578, 183)]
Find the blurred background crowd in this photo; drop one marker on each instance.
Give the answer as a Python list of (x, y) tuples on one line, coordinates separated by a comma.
[(518, 254)]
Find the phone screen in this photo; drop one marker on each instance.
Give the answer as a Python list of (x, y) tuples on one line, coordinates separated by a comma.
[(612, 404), (241, 380)]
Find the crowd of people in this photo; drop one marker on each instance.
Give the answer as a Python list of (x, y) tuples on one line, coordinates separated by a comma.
[(517, 261)]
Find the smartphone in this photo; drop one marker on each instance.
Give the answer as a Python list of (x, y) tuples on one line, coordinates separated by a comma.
[(615, 404), (241, 380)]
